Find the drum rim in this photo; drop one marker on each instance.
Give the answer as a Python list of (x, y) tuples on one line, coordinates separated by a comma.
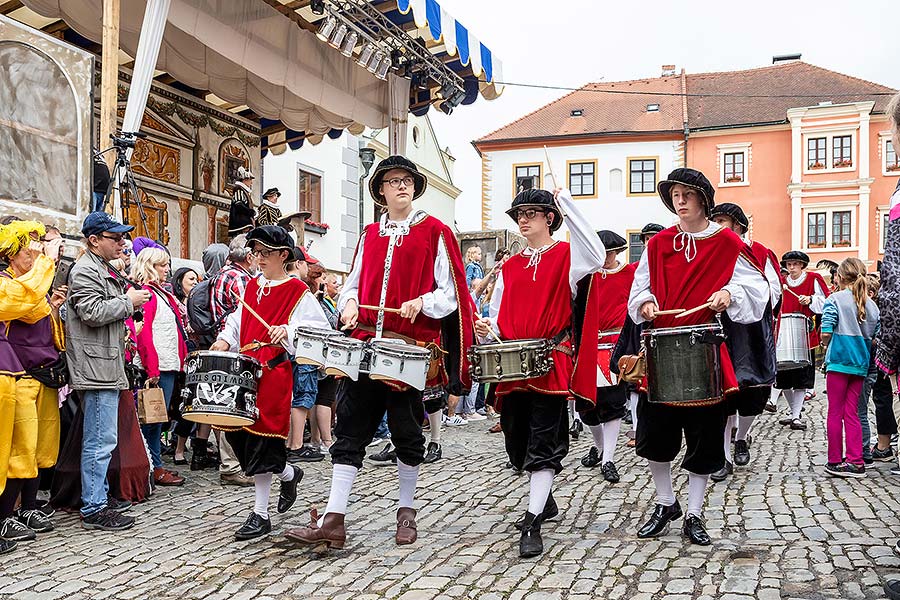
[(223, 354), (316, 332), (347, 342), (399, 348), (682, 329), (525, 343), (794, 316)]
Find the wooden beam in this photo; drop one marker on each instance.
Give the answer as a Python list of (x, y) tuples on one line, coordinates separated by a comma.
[(290, 14), (8, 7), (297, 4), (55, 27), (109, 78), (165, 79)]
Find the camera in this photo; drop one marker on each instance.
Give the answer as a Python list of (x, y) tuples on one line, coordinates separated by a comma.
[(126, 139)]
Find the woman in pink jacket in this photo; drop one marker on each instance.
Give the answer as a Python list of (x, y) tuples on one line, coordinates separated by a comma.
[(162, 345)]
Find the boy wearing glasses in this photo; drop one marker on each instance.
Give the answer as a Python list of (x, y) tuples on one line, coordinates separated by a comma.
[(408, 261), (545, 292)]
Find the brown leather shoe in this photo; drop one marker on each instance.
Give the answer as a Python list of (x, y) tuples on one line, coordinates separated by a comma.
[(406, 526), (163, 476), (237, 479), (331, 534)]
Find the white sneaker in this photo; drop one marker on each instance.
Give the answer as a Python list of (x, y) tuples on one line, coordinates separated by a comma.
[(454, 421), (476, 417)]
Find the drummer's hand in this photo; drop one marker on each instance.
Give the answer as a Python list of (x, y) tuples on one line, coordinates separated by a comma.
[(220, 346), (648, 310), (277, 333), (350, 315), (411, 309), (720, 301), (483, 327), (804, 300)]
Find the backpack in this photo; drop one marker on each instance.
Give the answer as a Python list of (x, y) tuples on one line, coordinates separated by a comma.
[(199, 310)]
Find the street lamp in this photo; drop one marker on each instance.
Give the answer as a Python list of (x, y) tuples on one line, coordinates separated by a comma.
[(366, 160)]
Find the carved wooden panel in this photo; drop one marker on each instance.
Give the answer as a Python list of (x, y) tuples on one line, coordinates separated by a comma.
[(157, 218), (156, 160), (232, 155)]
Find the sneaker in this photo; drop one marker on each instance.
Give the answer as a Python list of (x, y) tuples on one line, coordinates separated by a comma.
[(846, 470), (809, 396), (455, 421), (45, 509), (15, 531), (107, 520), (434, 453), (34, 520), (897, 548), (886, 455), (117, 505), (387, 454), (475, 417), (7, 546), (310, 454), (482, 412)]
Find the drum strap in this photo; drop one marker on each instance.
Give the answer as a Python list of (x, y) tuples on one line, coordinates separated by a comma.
[(557, 340), (272, 363)]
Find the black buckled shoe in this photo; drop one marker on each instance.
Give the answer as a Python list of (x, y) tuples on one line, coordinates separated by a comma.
[(723, 473), (288, 494), (255, 526), (658, 521), (591, 459), (696, 531), (387, 454), (530, 543), (576, 429), (550, 512), (742, 452), (609, 472), (433, 453)]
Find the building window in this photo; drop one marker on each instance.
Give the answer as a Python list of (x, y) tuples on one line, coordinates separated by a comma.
[(840, 229), (842, 154), (815, 153), (641, 176), (615, 180), (891, 162), (815, 230), (527, 177), (310, 194), (582, 178), (885, 219), (734, 167), (635, 246)]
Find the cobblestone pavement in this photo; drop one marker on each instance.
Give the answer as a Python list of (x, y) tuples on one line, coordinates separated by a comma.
[(781, 529)]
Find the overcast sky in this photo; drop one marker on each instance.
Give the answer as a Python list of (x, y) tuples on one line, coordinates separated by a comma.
[(573, 42)]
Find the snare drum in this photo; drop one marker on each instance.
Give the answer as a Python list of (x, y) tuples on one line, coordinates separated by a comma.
[(684, 363), (399, 362), (513, 360), (220, 389), (343, 355), (605, 346), (309, 345), (792, 347)]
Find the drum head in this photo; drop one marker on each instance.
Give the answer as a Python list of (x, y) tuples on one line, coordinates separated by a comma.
[(218, 419), (301, 360)]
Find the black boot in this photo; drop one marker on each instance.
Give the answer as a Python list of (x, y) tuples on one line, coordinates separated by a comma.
[(199, 457), (550, 512), (592, 458), (659, 519), (576, 429), (288, 492), (742, 452), (531, 544), (695, 531)]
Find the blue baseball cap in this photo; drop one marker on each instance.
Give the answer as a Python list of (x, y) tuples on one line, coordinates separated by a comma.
[(100, 222)]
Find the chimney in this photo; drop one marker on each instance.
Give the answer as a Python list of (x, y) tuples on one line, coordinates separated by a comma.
[(668, 70), (780, 58)]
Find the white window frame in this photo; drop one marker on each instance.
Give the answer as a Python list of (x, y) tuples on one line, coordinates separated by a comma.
[(829, 136), (884, 139), (882, 212), (738, 148), (829, 209)]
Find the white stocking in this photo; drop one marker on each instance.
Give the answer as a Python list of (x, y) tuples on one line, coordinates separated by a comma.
[(743, 425), (662, 480), (795, 401), (610, 437), (696, 493), (407, 476), (597, 432), (262, 484), (728, 425), (539, 490)]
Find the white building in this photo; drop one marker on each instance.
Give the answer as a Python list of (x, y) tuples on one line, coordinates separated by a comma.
[(325, 179), (609, 148)]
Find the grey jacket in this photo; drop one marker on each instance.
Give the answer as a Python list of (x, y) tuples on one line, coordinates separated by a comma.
[(95, 326)]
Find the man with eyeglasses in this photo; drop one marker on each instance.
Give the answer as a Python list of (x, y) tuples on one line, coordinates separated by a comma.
[(407, 261), (97, 307)]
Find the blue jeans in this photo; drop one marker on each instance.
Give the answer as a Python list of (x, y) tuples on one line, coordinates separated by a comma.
[(97, 199), (153, 431), (467, 403), (863, 410), (101, 428), (382, 431)]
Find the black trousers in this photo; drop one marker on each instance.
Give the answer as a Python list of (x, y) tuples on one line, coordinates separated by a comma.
[(359, 413), (536, 430), (748, 402), (611, 405), (797, 379), (883, 397), (662, 427), (258, 453)]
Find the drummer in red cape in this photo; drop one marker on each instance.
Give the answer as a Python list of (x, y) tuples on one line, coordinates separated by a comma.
[(604, 419), (749, 402), (285, 304), (685, 266), (805, 294), (533, 298), (409, 261)]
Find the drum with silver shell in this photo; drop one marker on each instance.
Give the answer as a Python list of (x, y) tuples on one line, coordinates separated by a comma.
[(220, 388), (683, 364), (512, 360), (792, 346)]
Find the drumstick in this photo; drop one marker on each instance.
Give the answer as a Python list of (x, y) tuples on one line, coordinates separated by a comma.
[(390, 310), (693, 310), (257, 317), (786, 287), (555, 184), (674, 311)]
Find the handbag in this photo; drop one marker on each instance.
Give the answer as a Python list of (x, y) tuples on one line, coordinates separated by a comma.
[(632, 368), (152, 406), (55, 375)]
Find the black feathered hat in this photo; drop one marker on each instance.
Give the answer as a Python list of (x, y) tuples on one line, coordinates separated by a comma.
[(691, 178), (612, 241), (733, 212), (649, 230), (272, 237), (541, 199), (396, 162), (272, 191), (796, 255)]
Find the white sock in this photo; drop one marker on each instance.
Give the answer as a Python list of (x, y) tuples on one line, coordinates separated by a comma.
[(743, 425), (632, 406), (407, 476), (773, 398), (795, 401), (610, 437), (662, 480), (597, 432), (696, 493), (342, 477), (728, 425), (262, 484), (572, 411), (287, 474), (434, 420), (539, 490)]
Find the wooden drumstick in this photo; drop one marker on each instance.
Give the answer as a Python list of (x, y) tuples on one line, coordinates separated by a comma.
[(788, 288), (693, 310), (555, 184), (258, 317), (375, 308), (674, 311)]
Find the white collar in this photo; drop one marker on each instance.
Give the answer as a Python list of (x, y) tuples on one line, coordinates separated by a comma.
[(528, 251), (387, 227), (619, 266), (241, 185), (795, 282), (711, 228)]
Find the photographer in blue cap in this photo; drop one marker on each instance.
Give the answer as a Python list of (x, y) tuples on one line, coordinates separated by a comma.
[(100, 299)]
